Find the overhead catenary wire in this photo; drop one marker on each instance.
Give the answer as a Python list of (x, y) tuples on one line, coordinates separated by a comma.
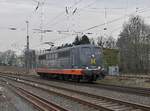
[(61, 14), (78, 10), (57, 16), (139, 11), (73, 32), (109, 22), (114, 20)]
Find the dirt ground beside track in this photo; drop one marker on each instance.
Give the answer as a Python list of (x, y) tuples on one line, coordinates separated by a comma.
[(132, 82), (16, 70), (5, 101), (11, 102)]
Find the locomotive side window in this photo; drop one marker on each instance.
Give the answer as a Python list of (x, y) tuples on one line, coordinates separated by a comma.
[(50, 56), (47, 56), (42, 57), (55, 55), (63, 54)]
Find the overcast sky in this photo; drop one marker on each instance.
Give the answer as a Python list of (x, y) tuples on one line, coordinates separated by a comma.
[(53, 16)]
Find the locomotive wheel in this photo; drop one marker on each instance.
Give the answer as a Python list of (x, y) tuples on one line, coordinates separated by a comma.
[(77, 78), (66, 77), (41, 75), (62, 77)]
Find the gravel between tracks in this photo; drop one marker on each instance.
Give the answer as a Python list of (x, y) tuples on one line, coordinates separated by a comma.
[(11, 102), (103, 92), (67, 103)]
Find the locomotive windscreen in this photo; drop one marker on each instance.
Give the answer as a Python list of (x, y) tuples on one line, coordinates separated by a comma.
[(90, 56)]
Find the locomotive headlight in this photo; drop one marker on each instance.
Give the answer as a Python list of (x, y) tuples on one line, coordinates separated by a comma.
[(87, 68), (93, 55), (99, 67)]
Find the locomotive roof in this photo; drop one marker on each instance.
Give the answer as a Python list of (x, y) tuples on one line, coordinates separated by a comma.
[(76, 46), (67, 48)]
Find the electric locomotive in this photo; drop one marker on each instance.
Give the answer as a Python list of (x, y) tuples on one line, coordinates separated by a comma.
[(81, 62)]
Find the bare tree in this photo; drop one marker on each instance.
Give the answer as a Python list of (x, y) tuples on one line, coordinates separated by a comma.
[(101, 41), (109, 42), (8, 58), (134, 45)]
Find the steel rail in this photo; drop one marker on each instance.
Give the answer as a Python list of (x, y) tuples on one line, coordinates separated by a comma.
[(112, 100), (37, 102), (124, 89)]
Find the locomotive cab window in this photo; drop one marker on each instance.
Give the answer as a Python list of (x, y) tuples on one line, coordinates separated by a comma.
[(86, 50)]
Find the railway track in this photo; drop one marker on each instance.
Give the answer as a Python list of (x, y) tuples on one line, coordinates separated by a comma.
[(131, 76), (132, 90), (37, 102), (95, 101), (124, 89)]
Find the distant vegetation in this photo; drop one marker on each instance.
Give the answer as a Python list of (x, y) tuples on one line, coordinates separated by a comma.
[(134, 46), (10, 58), (84, 40), (103, 42)]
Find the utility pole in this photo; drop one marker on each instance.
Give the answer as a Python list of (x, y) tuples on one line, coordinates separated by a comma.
[(27, 52), (42, 19), (105, 28), (41, 5)]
